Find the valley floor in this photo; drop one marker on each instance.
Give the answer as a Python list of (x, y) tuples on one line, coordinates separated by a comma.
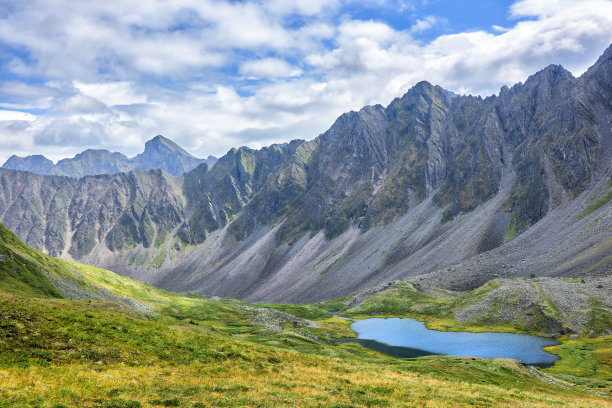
[(73, 335), (203, 353)]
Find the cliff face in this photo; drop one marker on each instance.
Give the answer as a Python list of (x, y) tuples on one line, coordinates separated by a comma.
[(422, 187)]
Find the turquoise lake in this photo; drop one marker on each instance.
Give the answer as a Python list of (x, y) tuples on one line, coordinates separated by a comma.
[(403, 337)]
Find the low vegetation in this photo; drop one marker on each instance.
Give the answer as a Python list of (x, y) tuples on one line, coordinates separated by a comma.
[(64, 353), (195, 351), (599, 201)]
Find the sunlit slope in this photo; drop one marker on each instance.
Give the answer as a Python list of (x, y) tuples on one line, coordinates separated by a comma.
[(27, 272)]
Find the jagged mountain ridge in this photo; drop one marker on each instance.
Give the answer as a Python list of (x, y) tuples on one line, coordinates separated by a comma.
[(160, 153), (434, 186)]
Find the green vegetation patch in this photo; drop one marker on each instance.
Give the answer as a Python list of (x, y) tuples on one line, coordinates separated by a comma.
[(584, 361), (91, 354), (605, 199), (600, 202), (404, 299), (159, 259), (511, 233)]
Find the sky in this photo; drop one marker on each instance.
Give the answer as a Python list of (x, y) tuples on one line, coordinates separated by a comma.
[(214, 74)]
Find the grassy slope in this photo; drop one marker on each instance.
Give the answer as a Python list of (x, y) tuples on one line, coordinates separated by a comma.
[(18, 274), (83, 353), (24, 273), (195, 352)]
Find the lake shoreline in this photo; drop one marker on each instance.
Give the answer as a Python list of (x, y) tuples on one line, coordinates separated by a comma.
[(409, 338)]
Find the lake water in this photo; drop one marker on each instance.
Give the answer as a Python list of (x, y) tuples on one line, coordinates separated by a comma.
[(410, 338)]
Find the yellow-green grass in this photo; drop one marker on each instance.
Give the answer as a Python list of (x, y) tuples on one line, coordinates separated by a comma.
[(584, 361), (65, 353), (195, 352), (21, 273)]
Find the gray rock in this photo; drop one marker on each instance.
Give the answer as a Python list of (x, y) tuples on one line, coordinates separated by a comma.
[(452, 189)]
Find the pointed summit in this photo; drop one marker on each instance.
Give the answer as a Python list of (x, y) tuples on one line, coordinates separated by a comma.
[(162, 153), (161, 143), (551, 75), (600, 74)]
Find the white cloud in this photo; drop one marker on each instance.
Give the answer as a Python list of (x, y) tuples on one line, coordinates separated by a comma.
[(544, 8), (113, 93), (499, 28), (269, 68), (307, 8), (113, 74), (423, 24), (70, 132), (8, 115)]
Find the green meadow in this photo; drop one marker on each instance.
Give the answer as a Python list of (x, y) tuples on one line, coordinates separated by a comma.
[(193, 351)]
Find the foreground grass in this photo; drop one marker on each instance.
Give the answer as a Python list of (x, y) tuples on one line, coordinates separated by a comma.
[(62, 353), (586, 362), (293, 382), (189, 351)]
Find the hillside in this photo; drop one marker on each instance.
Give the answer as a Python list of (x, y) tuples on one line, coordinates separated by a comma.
[(196, 351), (454, 190)]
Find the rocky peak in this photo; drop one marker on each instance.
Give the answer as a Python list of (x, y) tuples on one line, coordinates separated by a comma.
[(211, 160), (355, 145), (604, 62), (599, 76), (420, 97), (95, 155), (162, 153), (553, 76), (160, 144), (91, 162), (36, 164)]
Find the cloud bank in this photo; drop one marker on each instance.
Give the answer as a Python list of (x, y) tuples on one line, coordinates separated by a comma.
[(214, 74)]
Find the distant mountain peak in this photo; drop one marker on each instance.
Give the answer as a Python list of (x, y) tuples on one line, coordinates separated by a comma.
[(161, 143), (35, 163), (159, 153)]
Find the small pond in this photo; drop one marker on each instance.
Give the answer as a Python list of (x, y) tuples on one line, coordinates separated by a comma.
[(399, 337)]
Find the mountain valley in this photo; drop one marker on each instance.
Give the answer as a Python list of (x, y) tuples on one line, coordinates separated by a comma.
[(444, 242), (76, 335), (441, 190)]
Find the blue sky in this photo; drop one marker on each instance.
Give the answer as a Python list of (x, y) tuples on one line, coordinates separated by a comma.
[(214, 74)]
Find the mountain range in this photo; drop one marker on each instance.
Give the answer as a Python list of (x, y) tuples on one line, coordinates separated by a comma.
[(160, 153), (436, 188)]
